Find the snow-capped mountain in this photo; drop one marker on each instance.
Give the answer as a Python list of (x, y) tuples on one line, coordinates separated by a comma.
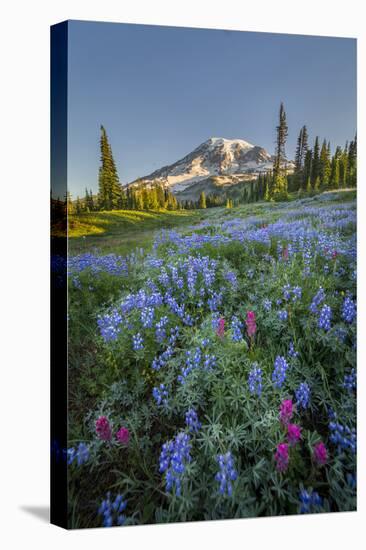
[(230, 159)]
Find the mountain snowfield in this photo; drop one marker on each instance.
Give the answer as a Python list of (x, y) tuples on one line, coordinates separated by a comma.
[(231, 160)]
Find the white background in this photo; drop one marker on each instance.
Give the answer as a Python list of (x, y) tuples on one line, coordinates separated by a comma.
[(24, 317)]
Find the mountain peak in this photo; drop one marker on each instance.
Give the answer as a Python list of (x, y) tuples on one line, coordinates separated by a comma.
[(218, 141), (217, 156)]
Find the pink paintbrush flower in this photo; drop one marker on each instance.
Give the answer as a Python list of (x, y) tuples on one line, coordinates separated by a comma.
[(320, 454), (282, 457), (286, 411), (251, 324), (293, 434), (123, 435), (103, 428)]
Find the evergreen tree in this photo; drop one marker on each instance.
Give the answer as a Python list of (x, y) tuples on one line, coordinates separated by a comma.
[(260, 186), (315, 167), (78, 207), (266, 191), (88, 201), (282, 131), (307, 169), (160, 196), (343, 167), (334, 174), (138, 200), (154, 205), (128, 199), (202, 200), (279, 165), (124, 200), (298, 154), (352, 162), (145, 199), (301, 150), (324, 165), (109, 186), (171, 201)]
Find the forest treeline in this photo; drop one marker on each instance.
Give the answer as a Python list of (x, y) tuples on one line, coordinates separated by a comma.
[(315, 169)]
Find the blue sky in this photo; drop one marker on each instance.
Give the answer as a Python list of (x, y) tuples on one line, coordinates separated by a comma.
[(161, 91)]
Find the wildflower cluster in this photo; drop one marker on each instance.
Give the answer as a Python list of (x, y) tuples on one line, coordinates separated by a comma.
[(147, 317), (255, 379), (292, 352), (162, 360), (174, 457), (160, 395), (317, 300), (173, 334), (282, 315), (123, 435), (110, 263), (325, 318), (194, 360), (160, 329), (286, 411), (293, 434), (342, 436), (226, 473), (292, 293), (137, 342), (303, 395), (112, 510), (350, 381), (320, 454), (310, 502), (236, 328), (279, 371), (251, 324), (192, 421), (282, 457), (103, 428), (79, 455), (348, 310)]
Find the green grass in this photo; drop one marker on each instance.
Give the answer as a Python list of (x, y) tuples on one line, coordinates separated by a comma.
[(121, 231)]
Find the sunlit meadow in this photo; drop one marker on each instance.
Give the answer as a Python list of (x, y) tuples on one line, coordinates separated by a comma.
[(212, 373)]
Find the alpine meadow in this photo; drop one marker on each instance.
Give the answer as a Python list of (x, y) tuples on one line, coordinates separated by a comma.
[(212, 300)]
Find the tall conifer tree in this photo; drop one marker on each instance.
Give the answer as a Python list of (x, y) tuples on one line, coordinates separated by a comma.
[(315, 168), (109, 186), (279, 166), (307, 169), (324, 165)]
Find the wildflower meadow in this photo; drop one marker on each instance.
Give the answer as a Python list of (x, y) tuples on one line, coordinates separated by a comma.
[(212, 373)]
